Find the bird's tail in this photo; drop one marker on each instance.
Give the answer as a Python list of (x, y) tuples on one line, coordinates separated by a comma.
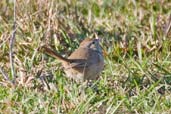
[(52, 53)]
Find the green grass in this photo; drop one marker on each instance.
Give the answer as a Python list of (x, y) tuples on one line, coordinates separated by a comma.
[(136, 44)]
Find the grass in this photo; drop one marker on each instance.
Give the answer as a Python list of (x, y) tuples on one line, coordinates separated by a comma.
[(136, 44)]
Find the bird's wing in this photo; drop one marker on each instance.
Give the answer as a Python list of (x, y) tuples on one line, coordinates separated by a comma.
[(78, 63)]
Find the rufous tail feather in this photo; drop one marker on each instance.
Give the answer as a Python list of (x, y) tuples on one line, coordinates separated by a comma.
[(54, 54)]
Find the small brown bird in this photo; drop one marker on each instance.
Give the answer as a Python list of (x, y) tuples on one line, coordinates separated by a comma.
[(85, 63)]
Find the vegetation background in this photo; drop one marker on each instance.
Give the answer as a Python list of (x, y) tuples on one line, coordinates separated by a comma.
[(136, 41)]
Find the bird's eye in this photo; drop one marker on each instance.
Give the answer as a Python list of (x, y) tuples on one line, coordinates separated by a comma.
[(93, 42)]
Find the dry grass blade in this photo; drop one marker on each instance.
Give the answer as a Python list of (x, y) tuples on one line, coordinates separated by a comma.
[(6, 77), (12, 40), (168, 26)]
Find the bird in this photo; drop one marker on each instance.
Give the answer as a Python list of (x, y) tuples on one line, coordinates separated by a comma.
[(85, 63)]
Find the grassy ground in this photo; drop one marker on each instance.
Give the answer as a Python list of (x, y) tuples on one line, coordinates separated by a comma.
[(135, 39)]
